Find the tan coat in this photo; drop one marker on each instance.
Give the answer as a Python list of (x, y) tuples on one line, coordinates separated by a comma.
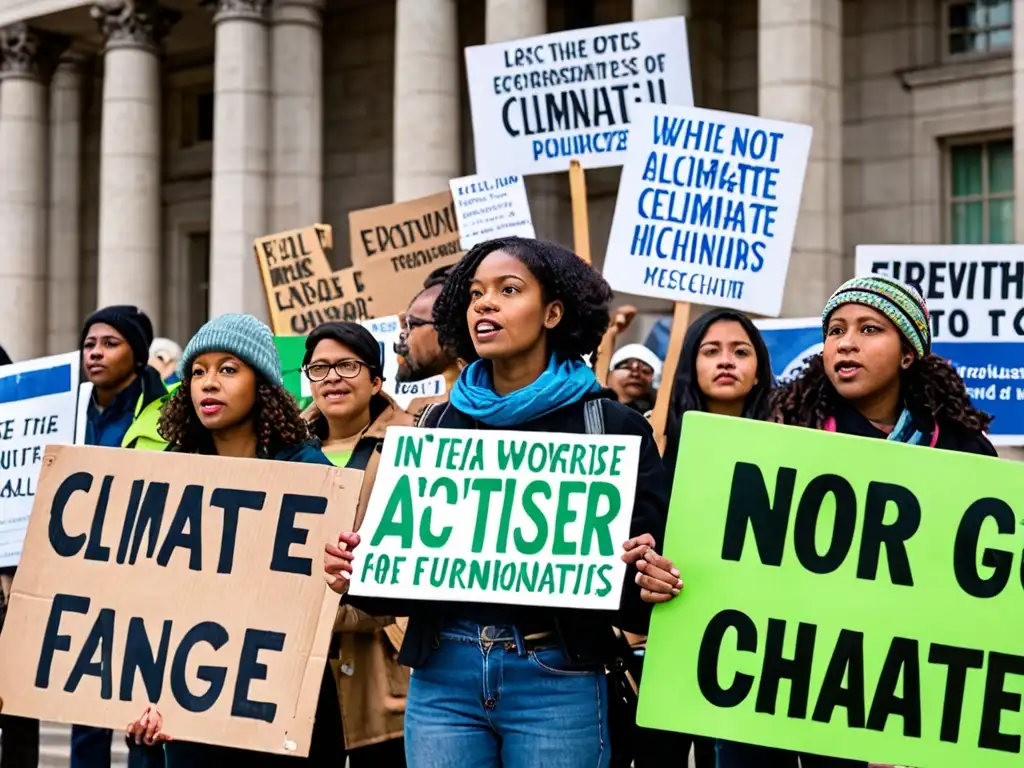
[(372, 686)]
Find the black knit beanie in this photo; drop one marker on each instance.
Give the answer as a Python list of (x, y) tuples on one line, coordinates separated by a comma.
[(131, 323), (355, 337)]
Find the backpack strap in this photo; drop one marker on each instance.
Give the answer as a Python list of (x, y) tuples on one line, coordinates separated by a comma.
[(431, 415), (593, 417)]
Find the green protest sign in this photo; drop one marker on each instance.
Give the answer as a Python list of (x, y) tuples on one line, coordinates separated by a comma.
[(844, 596), (291, 349), (525, 518)]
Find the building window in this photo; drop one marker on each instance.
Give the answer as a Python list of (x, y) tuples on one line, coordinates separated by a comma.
[(199, 277), (197, 117), (981, 192), (979, 26)]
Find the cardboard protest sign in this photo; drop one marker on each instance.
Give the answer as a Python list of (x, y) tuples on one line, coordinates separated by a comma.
[(488, 208), (194, 583), (846, 597), (975, 296), (38, 400), (539, 102), (522, 518), (707, 208), (397, 246), (302, 289)]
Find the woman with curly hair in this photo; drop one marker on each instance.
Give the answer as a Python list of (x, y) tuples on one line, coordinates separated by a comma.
[(504, 686), (875, 378), (232, 402)]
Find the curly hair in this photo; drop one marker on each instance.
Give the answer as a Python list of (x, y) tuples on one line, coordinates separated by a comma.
[(277, 422), (563, 276), (930, 384)]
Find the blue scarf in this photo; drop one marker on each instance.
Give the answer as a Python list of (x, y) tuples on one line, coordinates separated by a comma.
[(904, 431), (562, 383)]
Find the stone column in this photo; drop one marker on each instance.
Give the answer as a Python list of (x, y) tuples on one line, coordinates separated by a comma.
[(511, 20), (1018, 120), (800, 80), (130, 255), (25, 67), (241, 155), (659, 9), (426, 111), (296, 87), (64, 317)]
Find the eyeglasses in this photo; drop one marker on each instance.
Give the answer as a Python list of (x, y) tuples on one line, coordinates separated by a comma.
[(636, 366), (412, 322), (347, 369)]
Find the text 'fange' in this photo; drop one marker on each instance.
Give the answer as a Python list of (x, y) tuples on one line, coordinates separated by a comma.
[(146, 654), (897, 692)]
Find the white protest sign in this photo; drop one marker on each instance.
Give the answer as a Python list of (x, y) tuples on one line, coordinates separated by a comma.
[(386, 330), (38, 400), (487, 208), (521, 518), (707, 208), (973, 292), (539, 102)]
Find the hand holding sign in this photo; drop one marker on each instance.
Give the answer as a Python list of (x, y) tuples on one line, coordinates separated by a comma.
[(658, 578), (338, 561)]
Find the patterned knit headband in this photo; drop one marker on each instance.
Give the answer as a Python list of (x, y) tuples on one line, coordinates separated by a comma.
[(900, 303)]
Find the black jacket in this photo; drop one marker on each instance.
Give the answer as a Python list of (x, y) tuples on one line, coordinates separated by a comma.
[(952, 437), (586, 636)]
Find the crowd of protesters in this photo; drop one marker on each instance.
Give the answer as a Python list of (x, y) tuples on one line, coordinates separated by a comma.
[(510, 327)]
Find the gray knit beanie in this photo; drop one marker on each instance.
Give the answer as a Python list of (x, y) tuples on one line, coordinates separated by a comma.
[(241, 335)]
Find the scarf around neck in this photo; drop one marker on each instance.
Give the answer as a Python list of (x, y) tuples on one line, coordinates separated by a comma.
[(903, 432), (562, 383)]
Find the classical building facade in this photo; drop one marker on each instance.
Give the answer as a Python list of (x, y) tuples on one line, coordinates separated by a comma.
[(143, 145)]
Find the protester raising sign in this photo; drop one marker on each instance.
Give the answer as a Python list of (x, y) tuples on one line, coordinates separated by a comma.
[(525, 518), (844, 597), (190, 582), (302, 289), (540, 101), (397, 246), (707, 208), (37, 407), (488, 208)]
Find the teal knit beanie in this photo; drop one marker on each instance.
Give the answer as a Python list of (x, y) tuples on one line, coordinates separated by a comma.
[(241, 335)]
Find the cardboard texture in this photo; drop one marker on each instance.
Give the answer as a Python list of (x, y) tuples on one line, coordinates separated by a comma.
[(303, 291), (397, 246), (229, 643)]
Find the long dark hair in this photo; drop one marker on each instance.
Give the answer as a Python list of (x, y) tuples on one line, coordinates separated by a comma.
[(563, 276), (686, 392), (930, 386), (276, 420)]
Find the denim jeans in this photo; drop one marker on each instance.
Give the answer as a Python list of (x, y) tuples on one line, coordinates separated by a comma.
[(732, 754), (483, 700)]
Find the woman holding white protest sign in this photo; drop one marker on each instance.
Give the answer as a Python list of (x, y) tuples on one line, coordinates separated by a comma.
[(524, 314), (350, 415), (232, 402)]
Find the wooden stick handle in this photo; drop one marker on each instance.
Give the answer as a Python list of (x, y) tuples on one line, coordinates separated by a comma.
[(580, 217), (659, 419)]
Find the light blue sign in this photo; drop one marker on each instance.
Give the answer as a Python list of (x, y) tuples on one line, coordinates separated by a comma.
[(992, 370)]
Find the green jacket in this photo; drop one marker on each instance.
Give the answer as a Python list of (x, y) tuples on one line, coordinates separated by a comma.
[(143, 433)]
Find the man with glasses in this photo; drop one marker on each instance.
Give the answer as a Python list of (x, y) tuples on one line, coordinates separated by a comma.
[(634, 369), (419, 353)]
